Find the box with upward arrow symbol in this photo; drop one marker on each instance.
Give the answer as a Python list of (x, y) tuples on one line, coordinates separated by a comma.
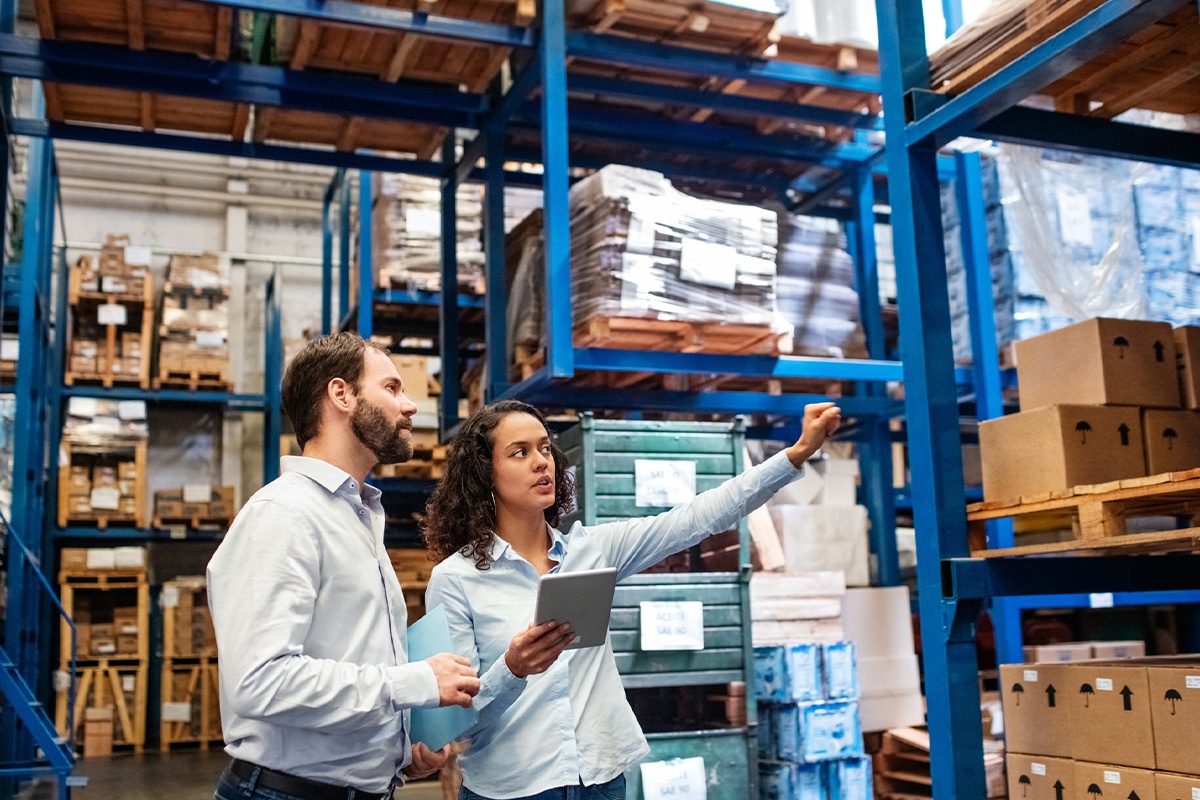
[(1040, 778), (1109, 782), (1172, 440), (1110, 714), (1036, 716), (1175, 707)]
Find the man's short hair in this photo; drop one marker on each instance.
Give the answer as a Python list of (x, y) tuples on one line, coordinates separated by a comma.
[(340, 355)]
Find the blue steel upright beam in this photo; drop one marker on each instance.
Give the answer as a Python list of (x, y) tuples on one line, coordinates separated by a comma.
[(344, 229), (931, 401), (985, 359), (366, 257), (876, 447), (496, 314), (272, 376), (327, 254), (448, 335), (560, 355)]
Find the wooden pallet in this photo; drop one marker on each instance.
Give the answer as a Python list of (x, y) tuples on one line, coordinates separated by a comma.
[(1096, 516), (425, 463), (105, 685), (107, 380), (104, 518), (172, 25), (102, 579), (194, 682), (84, 305), (1156, 68), (635, 333), (196, 523), (192, 380)]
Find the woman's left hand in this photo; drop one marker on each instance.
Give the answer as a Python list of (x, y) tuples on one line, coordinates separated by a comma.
[(425, 762)]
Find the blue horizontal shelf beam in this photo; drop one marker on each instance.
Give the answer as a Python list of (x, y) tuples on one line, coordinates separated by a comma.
[(251, 402), (424, 297), (189, 76), (403, 486), (979, 578), (615, 87), (939, 121), (193, 534), (601, 358), (393, 19), (1101, 137), (1117, 599), (631, 52)]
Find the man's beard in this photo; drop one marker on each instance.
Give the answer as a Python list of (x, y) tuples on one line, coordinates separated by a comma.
[(384, 438)]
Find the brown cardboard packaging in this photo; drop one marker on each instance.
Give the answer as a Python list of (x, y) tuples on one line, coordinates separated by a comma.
[(1036, 714), (1175, 706), (1058, 653), (80, 481), (1176, 787), (127, 470), (127, 487), (105, 477), (1040, 777), (1187, 348), (1100, 362), (83, 365), (1115, 650), (127, 507), (1110, 782), (194, 509), (168, 509), (168, 496), (97, 732), (414, 372), (79, 503), (1110, 714), (1172, 440), (1055, 448), (73, 559), (127, 645)]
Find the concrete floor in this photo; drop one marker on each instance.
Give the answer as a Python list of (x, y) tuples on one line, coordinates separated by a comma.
[(179, 775)]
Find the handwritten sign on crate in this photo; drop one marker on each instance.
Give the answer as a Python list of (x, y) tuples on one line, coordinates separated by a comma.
[(678, 779), (675, 625), (663, 483)]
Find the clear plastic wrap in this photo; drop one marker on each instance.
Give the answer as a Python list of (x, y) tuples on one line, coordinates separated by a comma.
[(815, 287), (100, 426)]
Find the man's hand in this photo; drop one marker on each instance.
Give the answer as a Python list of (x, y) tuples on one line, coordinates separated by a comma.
[(821, 420), (533, 650), (457, 682), (425, 762)]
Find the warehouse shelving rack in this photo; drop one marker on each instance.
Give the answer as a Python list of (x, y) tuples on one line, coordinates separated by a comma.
[(954, 587)]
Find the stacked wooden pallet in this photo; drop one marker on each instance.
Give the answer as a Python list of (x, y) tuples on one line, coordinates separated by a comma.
[(194, 332), (413, 569), (191, 713), (106, 593), (102, 464)]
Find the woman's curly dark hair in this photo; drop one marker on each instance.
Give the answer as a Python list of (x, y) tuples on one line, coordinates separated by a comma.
[(460, 516)]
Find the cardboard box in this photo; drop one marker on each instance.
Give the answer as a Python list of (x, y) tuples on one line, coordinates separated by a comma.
[(80, 482), (83, 365), (1172, 440), (97, 733), (73, 559), (168, 509), (194, 509), (1041, 777), (1117, 650), (104, 477), (79, 504), (1055, 448), (1100, 362), (1110, 714), (1176, 787), (1037, 717), (1113, 782), (1058, 653), (168, 496), (127, 507), (1187, 351), (414, 372), (1175, 709), (127, 470)]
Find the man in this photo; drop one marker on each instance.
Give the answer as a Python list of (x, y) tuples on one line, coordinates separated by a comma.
[(310, 619)]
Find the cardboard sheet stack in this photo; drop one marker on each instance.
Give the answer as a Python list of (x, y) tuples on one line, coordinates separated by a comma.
[(194, 336), (99, 473), (809, 736), (879, 622), (641, 248), (815, 287), (407, 231)]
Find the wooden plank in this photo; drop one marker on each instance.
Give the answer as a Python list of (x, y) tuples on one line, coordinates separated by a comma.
[(1107, 492), (135, 13), (241, 119), (306, 45), (44, 12), (147, 113), (1160, 46), (1166, 541), (1152, 89), (400, 56), (223, 36)]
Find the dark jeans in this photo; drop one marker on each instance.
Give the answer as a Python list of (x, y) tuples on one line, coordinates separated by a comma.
[(613, 790)]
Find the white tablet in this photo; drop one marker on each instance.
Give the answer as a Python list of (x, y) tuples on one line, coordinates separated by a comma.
[(582, 598)]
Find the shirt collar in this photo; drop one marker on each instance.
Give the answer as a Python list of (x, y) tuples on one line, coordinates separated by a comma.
[(321, 472), (558, 546)]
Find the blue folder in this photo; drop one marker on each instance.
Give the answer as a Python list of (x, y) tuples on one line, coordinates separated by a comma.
[(435, 727)]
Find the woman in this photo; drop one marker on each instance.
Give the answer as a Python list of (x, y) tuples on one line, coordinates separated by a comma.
[(548, 724)]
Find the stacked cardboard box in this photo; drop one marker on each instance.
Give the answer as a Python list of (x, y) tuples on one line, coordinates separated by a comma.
[(879, 622), (110, 321), (1100, 402), (103, 628), (194, 327), (187, 623), (1097, 729), (406, 229), (412, 567), (102, 461), (195, 501), (1083, 651)]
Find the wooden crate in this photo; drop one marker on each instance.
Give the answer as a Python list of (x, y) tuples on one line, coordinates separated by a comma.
[(73, 455), (86, 306), (1095, 516), (187, 623), (121, 687), (191, 704), (1156, 68), (173, 25), (72, 584)]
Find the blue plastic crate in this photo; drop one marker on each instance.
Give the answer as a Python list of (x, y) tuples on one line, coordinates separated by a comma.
[(841, 671), (849, 779), (767, 732), (811, 732), (770, 673), (781, 781), (803, 673)]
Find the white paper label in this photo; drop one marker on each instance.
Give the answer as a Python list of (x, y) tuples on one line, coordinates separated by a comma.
[(169, 597), (664, 483), (112, 314), (10, 349), (1112, 776), (1195, 793), (1192, 681), (137, 256), (197, 493), (127, 683), (111, 285), (1031, 676), (176, 712), (106, 498), (62, 680), (1100, 600), (177, 531), (1037, 769), (1104, 684), (672, 625), (708, 263), (131, 409), (671, 780), (210, 339), (1074, 217), (106, 425), (422, 221)]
